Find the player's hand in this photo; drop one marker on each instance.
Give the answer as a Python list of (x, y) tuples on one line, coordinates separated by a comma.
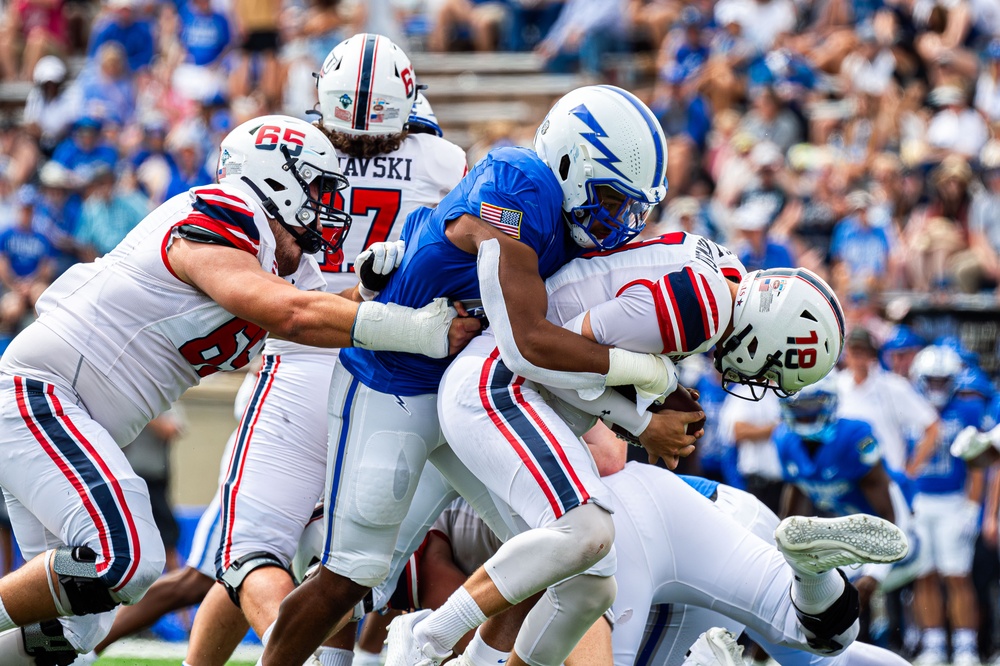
[(375, 265), (463, 329), (866, 586), (665, 437)]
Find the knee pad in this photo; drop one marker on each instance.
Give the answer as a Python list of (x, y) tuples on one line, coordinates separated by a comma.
[(832, 630), (45, 643), (85, 591), (233, 577), (593, 531)]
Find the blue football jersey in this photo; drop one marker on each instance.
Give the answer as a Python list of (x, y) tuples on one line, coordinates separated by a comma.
[(944, 473), (704, 486), (511, 189), (829, 477)]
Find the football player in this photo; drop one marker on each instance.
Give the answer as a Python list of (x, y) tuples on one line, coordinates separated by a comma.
[(534, 212), (946, 514), (367, 94), (834, 465), (192, 290), (780, 329)]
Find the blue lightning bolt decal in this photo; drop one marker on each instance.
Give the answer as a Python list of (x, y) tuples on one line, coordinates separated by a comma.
[(399, 401), (583, 113)]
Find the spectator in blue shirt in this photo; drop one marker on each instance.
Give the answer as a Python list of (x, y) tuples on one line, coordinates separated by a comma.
[(59, 207), (26, 260), (108, 92), (860, 251), (205, 33), (756, 249), (680, 108), (83, 150), (121, 25), (189, 170), (108, 215)]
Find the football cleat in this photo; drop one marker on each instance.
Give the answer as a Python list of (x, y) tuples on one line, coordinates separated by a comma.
[(816, 545), (715, 647), (403, 648)]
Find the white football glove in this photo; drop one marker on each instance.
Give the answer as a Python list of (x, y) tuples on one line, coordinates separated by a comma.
[(376, 264)]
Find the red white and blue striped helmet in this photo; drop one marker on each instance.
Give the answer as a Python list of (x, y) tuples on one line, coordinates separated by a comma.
[(366, 87)]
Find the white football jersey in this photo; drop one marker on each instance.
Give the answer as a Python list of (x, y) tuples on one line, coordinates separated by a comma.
[(384, 190), (682, 278), (149, 333)]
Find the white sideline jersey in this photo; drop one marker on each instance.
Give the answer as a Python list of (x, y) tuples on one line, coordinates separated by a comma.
[(148, 333), (383, 190), (681, 277)]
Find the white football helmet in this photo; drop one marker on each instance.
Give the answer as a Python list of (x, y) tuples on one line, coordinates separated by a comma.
[(788, 332), (608, 152), (366, 87), (422, 118), (934, 372), (291, 168)]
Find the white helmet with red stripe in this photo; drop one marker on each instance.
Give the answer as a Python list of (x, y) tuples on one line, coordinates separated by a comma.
[(291, 168), (788, 332), (366, 87)]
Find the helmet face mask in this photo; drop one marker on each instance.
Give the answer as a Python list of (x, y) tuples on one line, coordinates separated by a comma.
[(291, 169), (788, 333), (811, 413), (611, 217), (609, 155)]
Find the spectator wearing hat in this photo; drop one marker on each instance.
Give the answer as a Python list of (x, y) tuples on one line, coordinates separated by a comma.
[(955, 128), (987, 100), (884, 400), (108, 214), (31, 28), (51, 106), (83, 148), (26, 261), (59, 208), (859, 251), (107, 88), (120, 23), (756, 248)]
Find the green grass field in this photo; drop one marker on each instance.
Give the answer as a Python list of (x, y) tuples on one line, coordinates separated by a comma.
[(133, 661)]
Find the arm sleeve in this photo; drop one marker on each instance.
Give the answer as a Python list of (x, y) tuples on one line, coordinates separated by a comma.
[(678, 313), (218, 217)]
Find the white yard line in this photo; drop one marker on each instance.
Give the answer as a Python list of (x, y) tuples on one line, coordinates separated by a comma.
[(141, 647)]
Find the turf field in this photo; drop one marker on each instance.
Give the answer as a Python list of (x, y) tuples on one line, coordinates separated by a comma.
[(142, 652), (140, 661)]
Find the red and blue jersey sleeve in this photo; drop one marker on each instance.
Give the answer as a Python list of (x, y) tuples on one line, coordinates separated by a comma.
[(222, 218)]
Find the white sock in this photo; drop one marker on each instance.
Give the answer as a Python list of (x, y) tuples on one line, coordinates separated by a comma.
[(330, 656), (933, 640), (480, 654), (813, 594), (964, 641), (267, 635), (5, 621), (446, 626)]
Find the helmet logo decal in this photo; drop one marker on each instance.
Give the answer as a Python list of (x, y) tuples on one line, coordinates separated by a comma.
[(768, 290), (345, 100), (594, 138), (269, 136)]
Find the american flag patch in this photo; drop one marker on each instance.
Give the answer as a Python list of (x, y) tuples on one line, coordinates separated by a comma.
[(506, 220)]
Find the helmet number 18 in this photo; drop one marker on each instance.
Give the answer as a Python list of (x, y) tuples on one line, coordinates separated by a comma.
[(269, 136), (801, 357)]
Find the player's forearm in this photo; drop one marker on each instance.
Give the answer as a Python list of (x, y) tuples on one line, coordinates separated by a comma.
[(313, 318)]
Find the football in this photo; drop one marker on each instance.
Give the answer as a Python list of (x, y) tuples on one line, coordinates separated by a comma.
[(678, 401)]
